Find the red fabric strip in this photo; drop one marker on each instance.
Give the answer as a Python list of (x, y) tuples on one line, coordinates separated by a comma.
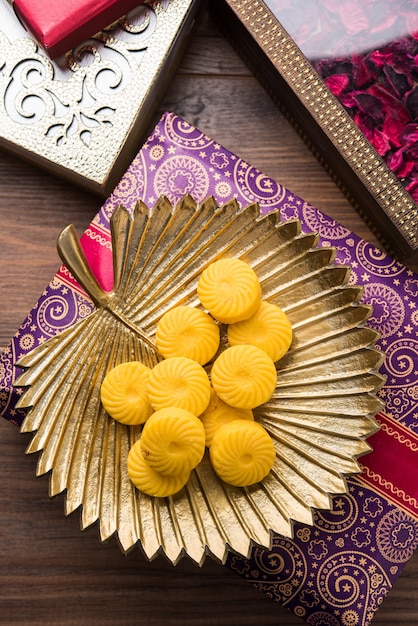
[(390, 469)]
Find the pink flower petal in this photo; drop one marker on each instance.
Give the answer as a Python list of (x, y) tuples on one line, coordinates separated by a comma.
[(337, 83), (412, 189), (393, 129), (380, 142)]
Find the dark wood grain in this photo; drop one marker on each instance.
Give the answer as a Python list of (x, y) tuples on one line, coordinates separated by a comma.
[(50, 572)]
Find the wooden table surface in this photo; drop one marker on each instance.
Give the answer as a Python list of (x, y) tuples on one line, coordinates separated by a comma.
[(51, 573)]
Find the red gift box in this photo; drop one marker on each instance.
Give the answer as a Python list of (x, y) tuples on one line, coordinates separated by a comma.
[(59, 27)]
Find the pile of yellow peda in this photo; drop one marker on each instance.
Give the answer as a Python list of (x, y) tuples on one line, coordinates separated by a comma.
[(183, 409)]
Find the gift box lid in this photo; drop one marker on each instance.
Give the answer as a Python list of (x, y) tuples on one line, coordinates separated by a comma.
[(84, 115), (262, 31)]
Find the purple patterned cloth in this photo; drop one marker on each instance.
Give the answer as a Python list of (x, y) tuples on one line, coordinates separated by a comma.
[(336, 572)]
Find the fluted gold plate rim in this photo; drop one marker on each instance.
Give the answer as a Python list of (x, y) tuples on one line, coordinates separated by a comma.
[(319, 416)]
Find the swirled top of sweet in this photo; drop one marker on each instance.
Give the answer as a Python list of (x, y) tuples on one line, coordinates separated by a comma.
[(269, 329), (181, 382), (173, 441), (244, 376), (242, 453), (229, 289), (124, 393), (187, 331)]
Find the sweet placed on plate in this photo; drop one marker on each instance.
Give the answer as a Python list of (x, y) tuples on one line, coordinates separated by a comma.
[(185, 410)]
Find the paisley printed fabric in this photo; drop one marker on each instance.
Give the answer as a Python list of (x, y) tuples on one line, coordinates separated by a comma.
[(336, 572)]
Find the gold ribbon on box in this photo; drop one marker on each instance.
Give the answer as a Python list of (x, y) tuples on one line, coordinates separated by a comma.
[(319, 417)]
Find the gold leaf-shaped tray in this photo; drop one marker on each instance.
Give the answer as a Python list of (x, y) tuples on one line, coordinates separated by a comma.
[(319, 416)]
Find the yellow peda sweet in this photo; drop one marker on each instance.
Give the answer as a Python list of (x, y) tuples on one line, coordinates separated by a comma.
[(187, 331), (124, 393), (242, 453), (148, 480), (229, 289), (244, 376), (180, 382), (173, 441), (219, 413), (269, 329)]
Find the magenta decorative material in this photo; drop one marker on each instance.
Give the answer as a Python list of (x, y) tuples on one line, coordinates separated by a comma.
[(337, 572), (367, 53)]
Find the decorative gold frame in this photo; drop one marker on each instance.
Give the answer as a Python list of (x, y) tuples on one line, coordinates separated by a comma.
[(291, 80)]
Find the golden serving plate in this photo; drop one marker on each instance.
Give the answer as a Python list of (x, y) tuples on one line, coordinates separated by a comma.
[(320, 415)]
